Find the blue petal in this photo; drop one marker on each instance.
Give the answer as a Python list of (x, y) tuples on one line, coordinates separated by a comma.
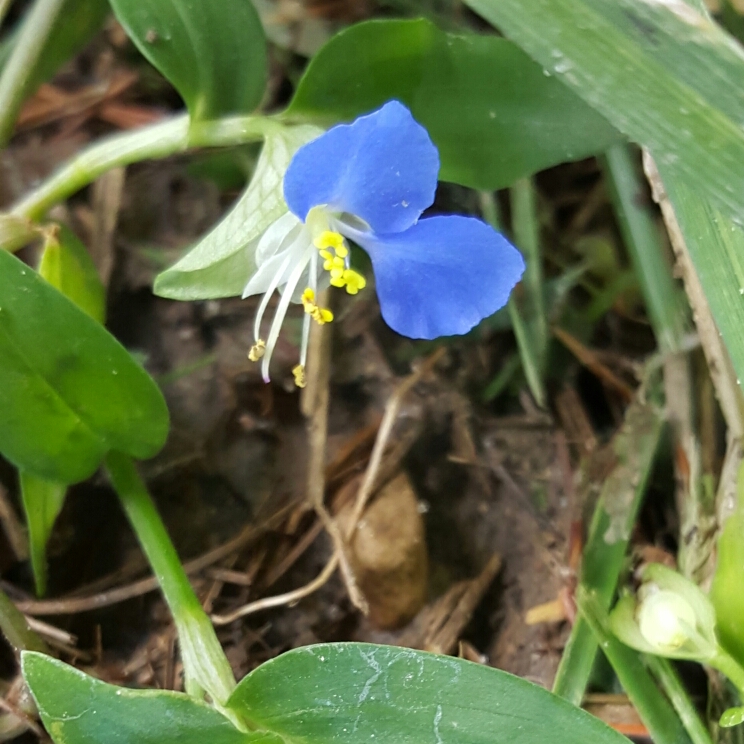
[(382, 168), (443, 275)]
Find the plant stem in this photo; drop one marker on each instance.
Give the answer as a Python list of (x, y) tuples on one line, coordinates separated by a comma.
[(28, 47), (731, 668), (664, 300), (529, 319), (156, 141), (661, 719), (670, 682), (203, 658)]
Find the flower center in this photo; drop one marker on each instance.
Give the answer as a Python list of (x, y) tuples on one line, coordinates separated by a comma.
[(333, 250), (297, 252)]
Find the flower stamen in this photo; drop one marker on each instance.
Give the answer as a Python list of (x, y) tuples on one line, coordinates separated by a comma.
[(335, 255), (299, 375), (257, 350), (352, 280), (329, 239), (320, 315)]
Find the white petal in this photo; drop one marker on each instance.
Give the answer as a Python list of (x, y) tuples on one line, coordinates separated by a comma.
[(277, 237), (280, 241)]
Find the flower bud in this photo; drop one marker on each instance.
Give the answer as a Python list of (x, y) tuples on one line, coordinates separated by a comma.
[(669, 616), (666, 620)]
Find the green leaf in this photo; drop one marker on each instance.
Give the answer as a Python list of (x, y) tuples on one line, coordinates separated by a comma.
[(220, 264), (732, 717), (214, 53), (69, 392), (716, 246), (491, 111), (42, 502), (664, 74), (67, 265), (78, 709), (358, 692)]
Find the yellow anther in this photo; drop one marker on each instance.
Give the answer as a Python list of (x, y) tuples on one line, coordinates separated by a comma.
[(329, 239), (334, 265), (320, 315), (353, 281), (257, 350), (299, 375)]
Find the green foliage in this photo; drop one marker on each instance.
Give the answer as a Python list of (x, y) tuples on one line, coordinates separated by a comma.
[(67, 265), (69, 392), (351, 692), (220, 264), (42, 503), (491, 111), (341, 692), (78, 709), (214, 53), (661, 73), (621, 494)]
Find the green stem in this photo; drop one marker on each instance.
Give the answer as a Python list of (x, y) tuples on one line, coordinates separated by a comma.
[(663, 298), (659, 716), (526, 230), (147, 143), (731, 668), (28, 48), (204, 660), (670, 682)]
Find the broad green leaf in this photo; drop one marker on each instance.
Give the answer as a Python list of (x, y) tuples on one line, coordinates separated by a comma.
[(220, 264), (358, 692), (214, 53), (67, 265), (78, 709), (664, 74), (42, 503), (69, 392), (491, 111)]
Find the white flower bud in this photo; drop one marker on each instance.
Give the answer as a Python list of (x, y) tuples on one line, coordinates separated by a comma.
[(666, 619)]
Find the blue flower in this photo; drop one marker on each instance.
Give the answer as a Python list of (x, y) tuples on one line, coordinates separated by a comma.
[(369, 182)]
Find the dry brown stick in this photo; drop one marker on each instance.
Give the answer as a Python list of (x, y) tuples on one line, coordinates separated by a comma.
[(383, 435), (315, 407), (143, 586), (442, 638), (291, 557), (589, 359), (281, 599)]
